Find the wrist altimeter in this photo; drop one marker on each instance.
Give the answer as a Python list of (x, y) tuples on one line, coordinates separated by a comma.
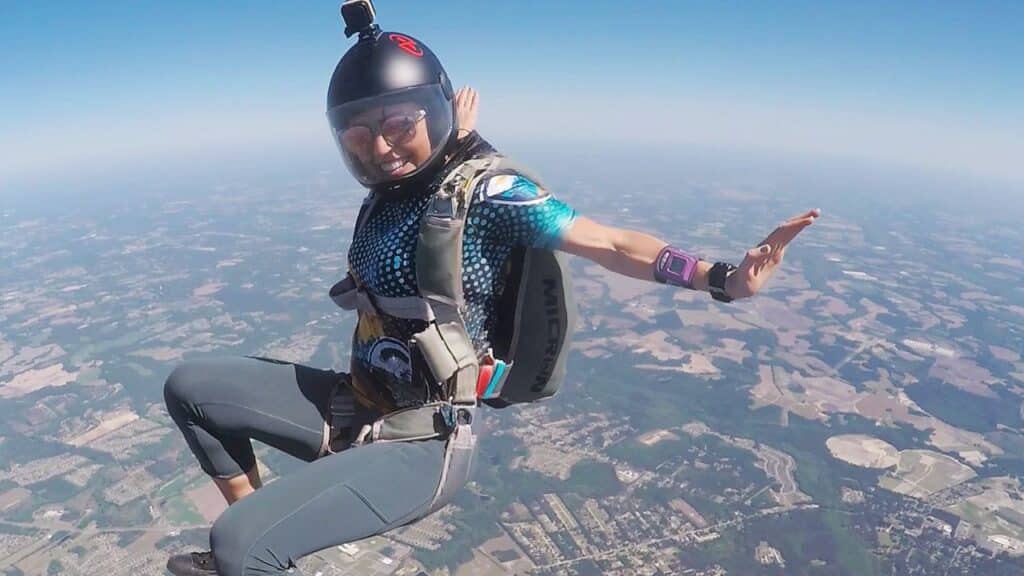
[(675, 267), (717, 276)]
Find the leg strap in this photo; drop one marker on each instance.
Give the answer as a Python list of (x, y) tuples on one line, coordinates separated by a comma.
[(436, 420), (458, 461)]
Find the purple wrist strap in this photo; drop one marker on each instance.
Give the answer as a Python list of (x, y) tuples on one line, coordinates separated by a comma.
[(673, 266)]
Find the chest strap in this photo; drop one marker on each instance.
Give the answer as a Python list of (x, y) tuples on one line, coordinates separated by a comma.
[(349, 295)]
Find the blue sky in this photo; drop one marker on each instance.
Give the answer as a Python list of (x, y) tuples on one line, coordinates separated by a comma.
[(95, 88)]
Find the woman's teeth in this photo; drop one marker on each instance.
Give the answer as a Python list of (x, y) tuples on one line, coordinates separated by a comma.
[(392, 166)]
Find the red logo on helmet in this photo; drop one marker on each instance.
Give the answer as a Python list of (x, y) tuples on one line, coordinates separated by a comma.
[(407, 44)]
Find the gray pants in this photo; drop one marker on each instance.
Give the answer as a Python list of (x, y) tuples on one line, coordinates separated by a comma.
[(220, 405)]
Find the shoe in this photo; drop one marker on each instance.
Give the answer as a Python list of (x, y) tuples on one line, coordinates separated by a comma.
[(192, 564)]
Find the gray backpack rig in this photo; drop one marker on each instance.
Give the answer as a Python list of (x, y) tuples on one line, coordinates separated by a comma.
[(536, 312)]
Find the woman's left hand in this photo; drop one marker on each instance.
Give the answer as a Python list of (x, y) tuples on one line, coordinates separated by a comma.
[(760, 262), (466, 105)]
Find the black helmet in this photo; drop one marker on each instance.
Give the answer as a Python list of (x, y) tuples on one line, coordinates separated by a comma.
[(391, 108)]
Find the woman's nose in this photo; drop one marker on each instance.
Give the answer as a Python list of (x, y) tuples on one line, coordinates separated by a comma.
[(380, 146)]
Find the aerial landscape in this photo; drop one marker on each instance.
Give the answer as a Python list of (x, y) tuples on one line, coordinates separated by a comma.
[(190, 313), (864, 416)]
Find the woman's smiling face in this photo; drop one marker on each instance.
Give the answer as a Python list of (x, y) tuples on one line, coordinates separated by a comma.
[(389, 141)]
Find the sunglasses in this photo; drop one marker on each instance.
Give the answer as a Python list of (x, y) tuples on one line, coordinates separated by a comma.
[(396, 129)]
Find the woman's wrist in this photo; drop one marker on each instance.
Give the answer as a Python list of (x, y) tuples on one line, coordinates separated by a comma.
[(700, 275)]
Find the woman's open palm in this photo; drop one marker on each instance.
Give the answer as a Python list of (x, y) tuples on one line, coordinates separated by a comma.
[(760, 262)]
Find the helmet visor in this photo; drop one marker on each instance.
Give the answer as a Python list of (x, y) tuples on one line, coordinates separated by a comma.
[(392, 136)]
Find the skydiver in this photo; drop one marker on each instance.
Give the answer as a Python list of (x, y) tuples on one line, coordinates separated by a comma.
[(402, 132)]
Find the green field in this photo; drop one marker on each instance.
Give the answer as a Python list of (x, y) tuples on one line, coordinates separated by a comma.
[(181, 512)]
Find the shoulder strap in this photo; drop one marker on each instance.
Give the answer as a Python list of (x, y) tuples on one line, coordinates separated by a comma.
[(445, 344), (348, 293), (364, 211), (439, 246), (444, 285), (503, 165)]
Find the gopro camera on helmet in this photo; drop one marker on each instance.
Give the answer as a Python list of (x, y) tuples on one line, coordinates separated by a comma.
[(358, 16)]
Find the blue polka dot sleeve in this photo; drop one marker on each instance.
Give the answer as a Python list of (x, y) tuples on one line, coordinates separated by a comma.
[(516, 211)]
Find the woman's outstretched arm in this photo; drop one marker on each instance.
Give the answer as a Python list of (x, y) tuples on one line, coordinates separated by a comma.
[(634, 254)]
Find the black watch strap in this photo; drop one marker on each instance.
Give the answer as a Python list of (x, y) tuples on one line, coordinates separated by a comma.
[(716, 280)]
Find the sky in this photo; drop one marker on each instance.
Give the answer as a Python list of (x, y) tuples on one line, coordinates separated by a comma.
[(94, 89)]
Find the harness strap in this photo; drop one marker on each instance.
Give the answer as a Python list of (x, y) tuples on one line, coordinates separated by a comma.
[(365, 209), (445, 344), (350, 295), (451, 357), (458, 460), (435, 420)]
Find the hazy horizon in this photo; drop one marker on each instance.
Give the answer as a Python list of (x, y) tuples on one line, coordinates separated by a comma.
[(99, 90)]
